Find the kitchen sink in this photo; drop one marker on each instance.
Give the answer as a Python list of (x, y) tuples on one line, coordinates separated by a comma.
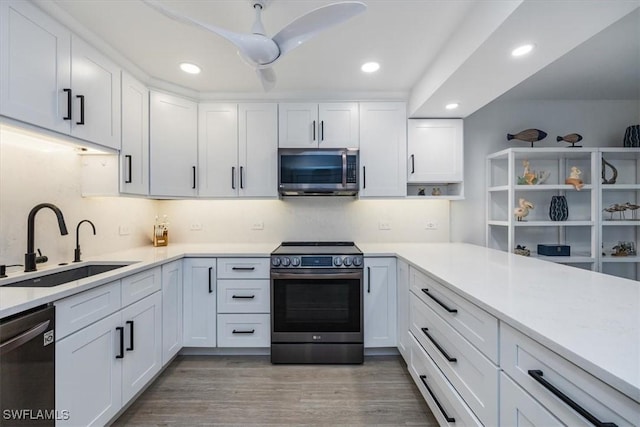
[(61, 277)]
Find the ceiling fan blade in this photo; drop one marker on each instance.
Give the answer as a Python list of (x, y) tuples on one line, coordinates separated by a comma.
[(267, 78), (309, 25), (256, 48)]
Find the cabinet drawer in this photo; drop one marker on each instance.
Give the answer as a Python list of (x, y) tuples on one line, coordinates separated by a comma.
[(140, 285), (244, 330), (524, 359), (445, 403), (243, 296), (80, 310), (471, 373), (519, 409), (243, 268), (475, 324)]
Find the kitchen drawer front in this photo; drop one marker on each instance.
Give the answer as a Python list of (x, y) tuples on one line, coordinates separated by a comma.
[(243, 268), (243, 296), (80, 310), (519, 409), (140, 285), (475, 324), (473, 375), (441, 397), (244, 330), (520, 354)]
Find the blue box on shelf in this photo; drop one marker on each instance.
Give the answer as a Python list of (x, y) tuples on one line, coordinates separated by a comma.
[(554, 250)]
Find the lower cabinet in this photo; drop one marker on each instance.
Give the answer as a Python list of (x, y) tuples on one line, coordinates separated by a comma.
[(380, 304), (244, 330), (403, 309), (172, 306), (519, 409), (199, 302)]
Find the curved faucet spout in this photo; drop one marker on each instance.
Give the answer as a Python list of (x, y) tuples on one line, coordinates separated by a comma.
[(76, 252), (30, 256)]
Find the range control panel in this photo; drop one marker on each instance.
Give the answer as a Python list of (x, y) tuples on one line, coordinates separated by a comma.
[(316, 261)]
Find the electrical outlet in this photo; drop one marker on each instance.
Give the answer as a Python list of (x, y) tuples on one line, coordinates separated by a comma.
[(258, 225), (124, 230), (431, 225), (384, 225), (196, 226)]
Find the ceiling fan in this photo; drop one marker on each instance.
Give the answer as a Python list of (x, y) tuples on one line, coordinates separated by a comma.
[(261, 51)]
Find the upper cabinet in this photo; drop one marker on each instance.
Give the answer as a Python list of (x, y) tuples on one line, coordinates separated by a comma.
[(218, 149), (383, 149), (326, 125), (258, 150), (173, 145), (52, 79), (134, 156)]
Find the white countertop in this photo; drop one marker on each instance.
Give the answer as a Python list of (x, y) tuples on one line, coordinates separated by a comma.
[(589, 318)]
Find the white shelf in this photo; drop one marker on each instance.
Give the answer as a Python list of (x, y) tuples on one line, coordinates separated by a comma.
[(545, 187), (499, 223), (498, 188), (619, 259), (573, 259), (553, 223), (620, 187), (620, 222)]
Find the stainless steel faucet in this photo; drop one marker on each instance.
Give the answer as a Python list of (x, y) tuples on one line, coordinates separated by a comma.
[(30, 256), (76, 252)]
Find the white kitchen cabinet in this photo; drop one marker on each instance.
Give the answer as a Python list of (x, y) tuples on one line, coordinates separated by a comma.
[(519, 409), (173, 145), (403, 309), (134, 156), (218, 149), (258, 150), (383, 149), (325, 125), (380, 303), (172, 306), (199, 302), (53, 79)]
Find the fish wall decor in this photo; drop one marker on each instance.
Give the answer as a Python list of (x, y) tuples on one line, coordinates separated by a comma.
[(528, 135), (572, 139)]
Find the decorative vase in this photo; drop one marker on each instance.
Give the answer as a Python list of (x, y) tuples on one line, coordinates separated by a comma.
[(558, 210)]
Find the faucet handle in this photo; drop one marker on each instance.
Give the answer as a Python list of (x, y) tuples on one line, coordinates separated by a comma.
[(40, 259)]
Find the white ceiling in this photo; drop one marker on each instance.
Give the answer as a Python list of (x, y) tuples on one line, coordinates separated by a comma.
[(431, 51)]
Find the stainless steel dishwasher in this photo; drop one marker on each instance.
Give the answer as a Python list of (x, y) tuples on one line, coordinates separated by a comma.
[(27, 368)]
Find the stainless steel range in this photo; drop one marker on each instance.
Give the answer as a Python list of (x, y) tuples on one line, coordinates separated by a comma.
[(316, 303)]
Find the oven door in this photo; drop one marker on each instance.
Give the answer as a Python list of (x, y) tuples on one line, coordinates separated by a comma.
[(313, 306)]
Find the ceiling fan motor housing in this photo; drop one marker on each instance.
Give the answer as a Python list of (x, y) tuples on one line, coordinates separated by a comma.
[(259, 3)]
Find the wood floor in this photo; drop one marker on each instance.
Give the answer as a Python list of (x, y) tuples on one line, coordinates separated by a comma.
[(250, 391)]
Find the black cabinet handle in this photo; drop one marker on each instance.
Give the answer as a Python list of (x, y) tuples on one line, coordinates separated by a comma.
[(81, 122), (244, 332), (444, 353), (413, 164), (121, 330), (322, 130), (449, 419), (130, 323), (368, 280), (128, 157), (243, 268), (241, 173), (243, 296), (233, 177), (537, 374), (364, 177), (443, 305), (210, 289), (314, 130), (193, 170), (69, 106)]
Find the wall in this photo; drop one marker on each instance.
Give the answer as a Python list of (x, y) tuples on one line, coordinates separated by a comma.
[(601, 123)]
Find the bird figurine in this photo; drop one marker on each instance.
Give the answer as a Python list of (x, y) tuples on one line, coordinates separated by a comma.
[(523, 209), (528, 135), (632, 208), (572, 139)]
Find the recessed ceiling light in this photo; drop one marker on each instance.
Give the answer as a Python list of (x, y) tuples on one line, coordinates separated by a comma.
[(370, 67), (522, 50), (187, 67), (452, 106)]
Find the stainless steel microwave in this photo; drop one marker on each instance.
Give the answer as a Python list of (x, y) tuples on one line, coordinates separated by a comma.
[(318, 172)]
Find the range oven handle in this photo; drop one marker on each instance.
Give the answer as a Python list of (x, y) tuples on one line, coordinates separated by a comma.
[(356, 275)]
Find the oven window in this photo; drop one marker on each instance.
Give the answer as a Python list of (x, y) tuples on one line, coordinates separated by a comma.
[(311, 169), (316, 305)]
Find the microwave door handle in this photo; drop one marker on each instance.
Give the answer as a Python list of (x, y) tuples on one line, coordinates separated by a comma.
[(344, 168)]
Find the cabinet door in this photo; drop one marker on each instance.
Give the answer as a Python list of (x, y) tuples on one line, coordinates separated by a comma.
[(95, 81), (258, 150), (519, 409), (298, 126), (173, 150), (171, 310), (403, 313), (35, 56), (199, 302), (383, 149), (380, 302), (218, 150), (339, 125), (134, 156), (88, 375), (435, 150), (142, 323)]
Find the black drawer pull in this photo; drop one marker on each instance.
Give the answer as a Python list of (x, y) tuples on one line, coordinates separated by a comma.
[(130, 323), (244, 332), (537, 374), (243, 268), (443, 305), (243, 296), (128, 158), (444, 353), (449, 419), (121, 354), (69, 106), (210, 289), (81, 97)]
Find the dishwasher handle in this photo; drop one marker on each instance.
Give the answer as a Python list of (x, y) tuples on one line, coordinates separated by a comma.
[(23, 338)]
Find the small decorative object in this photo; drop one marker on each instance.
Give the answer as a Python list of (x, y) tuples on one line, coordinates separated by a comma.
[(420, 191), (558, 210), (531, 177), (436, 191), (632, 136), (574, 178), (554, 250), (523, 210), (572, 139), (161, 232), (611, 180), (624, 249), (633, 208), (528, 135), (616, 208), (522, 250)]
